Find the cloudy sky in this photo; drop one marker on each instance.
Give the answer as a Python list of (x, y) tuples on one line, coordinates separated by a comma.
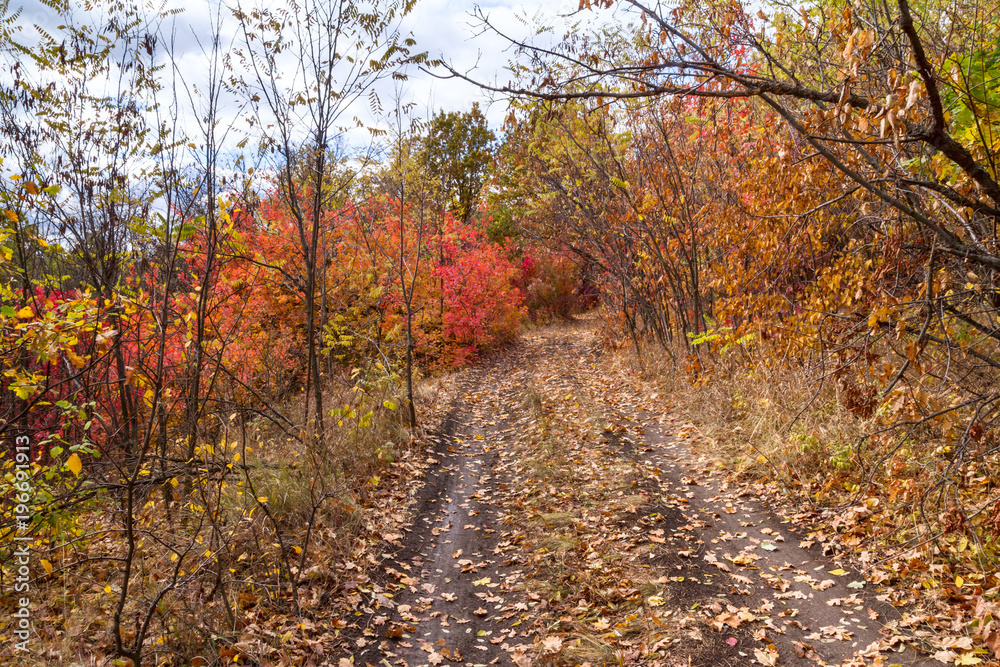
[(446, 29)]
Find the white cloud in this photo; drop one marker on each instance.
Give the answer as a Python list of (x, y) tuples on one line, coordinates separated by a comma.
[(446, 29), (449, 30)]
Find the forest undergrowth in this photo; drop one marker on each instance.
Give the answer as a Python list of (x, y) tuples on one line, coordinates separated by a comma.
[(261, 574)]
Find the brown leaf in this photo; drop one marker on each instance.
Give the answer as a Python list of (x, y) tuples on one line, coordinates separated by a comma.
[(992, 640), (552, 644), (803, 650)]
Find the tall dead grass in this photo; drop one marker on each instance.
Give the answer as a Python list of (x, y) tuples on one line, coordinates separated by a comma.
[(764, 421)]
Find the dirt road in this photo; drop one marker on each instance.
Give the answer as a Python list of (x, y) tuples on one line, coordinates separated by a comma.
[(562, 523)]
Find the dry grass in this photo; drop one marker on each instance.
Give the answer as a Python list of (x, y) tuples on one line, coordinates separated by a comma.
[(764, 421), (883, 482)]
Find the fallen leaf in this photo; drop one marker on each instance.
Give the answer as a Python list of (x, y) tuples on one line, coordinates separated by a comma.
[(767, 657), (803, 650), (552, 644)]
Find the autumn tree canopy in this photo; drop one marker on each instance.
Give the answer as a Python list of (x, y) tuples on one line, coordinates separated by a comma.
[(457, 149)]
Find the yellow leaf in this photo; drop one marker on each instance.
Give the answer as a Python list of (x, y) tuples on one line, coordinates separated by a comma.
[(838, 572), (959, 581), (968, 659), (74, 464), (76, 359), (107, 589), (297, 548), (261, 499), (767, 657), (25, 313), (47, 565)]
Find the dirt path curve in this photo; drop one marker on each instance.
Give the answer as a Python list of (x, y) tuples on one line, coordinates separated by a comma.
[(809, 606), (561, 523)]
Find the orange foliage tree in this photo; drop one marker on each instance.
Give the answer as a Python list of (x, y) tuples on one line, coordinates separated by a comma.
[(814, 188)]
